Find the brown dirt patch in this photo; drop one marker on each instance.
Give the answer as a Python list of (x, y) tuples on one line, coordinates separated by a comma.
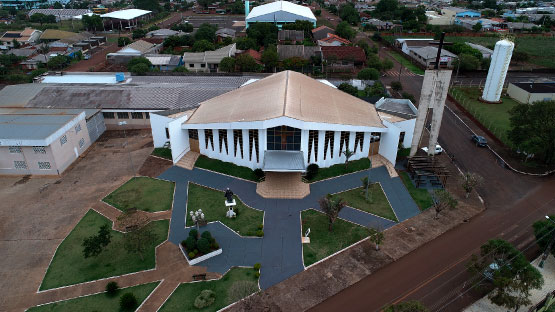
[(154, 166)]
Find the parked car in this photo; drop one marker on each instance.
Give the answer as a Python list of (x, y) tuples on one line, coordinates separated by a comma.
[(437, 151), (479, 140)]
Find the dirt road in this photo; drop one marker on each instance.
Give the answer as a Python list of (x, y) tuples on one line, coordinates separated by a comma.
[(96, 61)]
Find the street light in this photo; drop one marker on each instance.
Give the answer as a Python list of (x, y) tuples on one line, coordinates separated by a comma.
[(124, 123), (546, 251)]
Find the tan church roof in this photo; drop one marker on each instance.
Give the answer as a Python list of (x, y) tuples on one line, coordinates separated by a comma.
[(288, 94)]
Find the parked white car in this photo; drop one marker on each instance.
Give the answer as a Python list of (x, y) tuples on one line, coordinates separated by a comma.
[(437, 151)]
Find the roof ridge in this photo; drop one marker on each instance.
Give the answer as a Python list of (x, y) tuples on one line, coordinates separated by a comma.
[(285, 96)]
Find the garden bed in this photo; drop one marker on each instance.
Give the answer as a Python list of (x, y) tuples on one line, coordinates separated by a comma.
[(422, 197), (339, 169), (162, 152), (377, 202), (197, 249), (226, 168), (142, 193)]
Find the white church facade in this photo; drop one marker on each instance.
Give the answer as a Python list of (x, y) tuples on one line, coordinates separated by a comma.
[(283, 123)]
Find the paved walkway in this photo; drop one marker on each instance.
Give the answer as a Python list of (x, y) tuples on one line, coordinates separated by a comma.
[(280, 250), (283, 185)]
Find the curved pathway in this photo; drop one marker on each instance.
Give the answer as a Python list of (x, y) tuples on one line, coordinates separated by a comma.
[(280, 250)]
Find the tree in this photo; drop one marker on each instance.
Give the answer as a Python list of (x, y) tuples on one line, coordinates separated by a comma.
[(345, 87), (544, 231), (37, 18), (246, 63), (387, 6), (238, 7), (138, 240), (318, 12), (443, 200), (347, 12), (264, 33), (305, 26), (57, 62), (58, 5), (477, 27), (241, 289), (470, 181), (375, 90), (139, 33), (203, 45), (511, 275), (533, 129), (245, 43), (348, 154), (331, 207), (184, 27), (467, 62), (270, 58), (227, 64), (387, 64), (294, 63), (407, 306), (376, 236), (123, 41), (205, 3), (94, 245), (368, 74), (139, 65), (112, 289), (396, 86), (206, 32), (93, 22), (149, 5), (344, 30), (128, 302), (16, 44), (373, 61)]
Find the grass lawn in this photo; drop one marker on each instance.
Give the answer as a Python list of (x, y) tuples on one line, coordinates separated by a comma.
[(69, 267), (323, 242), (98, 302), (421, 196), (495, 117), (378, 205), (212, 204), (163, 152), (142, 193), (406, 63), (183, 297), (339, 169), (226, 168)]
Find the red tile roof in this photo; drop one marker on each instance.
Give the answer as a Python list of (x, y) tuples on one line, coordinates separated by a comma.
[(321, 28), (255, 55), (331, 38), (345, 53)]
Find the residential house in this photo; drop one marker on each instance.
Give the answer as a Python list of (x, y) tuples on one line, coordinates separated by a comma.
[(162, 33), (426, 56), (322, 32), (136, 49), (223, 33), (486, 53), (60, 14), (460, 12), (301, 51), (207, 61), (380, 25), (290, 36), (435, 18), (333, 40), (343, 58), (257, 56), (164, 62), (26, 36), (407, 44)]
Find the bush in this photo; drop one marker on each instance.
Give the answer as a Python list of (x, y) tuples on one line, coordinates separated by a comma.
[(128, 302), (139, 69), (181, 69), (368, 74), (408, 96), (345, 87), (112, 289), (396, 85), (259, 173), (193, 233), (257, 274), (260, 226), (257, 266), (203, 245), (123, 41), (311, 171), (190, 243), (236, 210), (205, 299), (215, 245), (192, 255), (207, 235), (259, 233)]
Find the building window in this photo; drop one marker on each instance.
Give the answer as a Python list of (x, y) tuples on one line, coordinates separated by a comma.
[(238, 138), (253, 141), (328, 142), (202, 65), (193, 134), (168, 133), (137, 115), (192, 65), (123, 115), (15, 149), (359, 141), (81, 142), (222, 138), (284, 138), (44, 165), (77, 128), (108, 115), (313, 143), (39, 149), (147, 115), (63, 140), (208, 138), (20, 164), (343, 142)]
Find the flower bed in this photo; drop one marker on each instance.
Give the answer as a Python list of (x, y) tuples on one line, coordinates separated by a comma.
[(199, 248)]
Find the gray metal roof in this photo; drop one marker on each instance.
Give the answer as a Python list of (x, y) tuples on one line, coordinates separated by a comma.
[(400, 107), (31, 127), (89, 112), (283, 161)]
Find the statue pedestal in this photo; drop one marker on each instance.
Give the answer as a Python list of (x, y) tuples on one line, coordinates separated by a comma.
[(305, 240), (228, 204)]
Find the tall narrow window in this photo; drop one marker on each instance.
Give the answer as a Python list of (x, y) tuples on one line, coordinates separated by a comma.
[(328, 143), (193, 134), (359, 141), (222, 136), (343, 142), (208, 138), (238, 137), (313, 143), (253, 141)]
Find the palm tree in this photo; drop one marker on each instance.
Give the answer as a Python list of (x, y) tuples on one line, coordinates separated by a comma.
[(331, 207), (348, 154)]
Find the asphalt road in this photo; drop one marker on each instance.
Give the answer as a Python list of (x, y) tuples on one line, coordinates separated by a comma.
[(435, 273)]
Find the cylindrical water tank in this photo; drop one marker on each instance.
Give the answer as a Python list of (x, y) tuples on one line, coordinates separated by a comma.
[(498, 67)]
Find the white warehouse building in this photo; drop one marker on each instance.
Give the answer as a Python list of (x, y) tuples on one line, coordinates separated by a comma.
[(282, 123), (279, 13)]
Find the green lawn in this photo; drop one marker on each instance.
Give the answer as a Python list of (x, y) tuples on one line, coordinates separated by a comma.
[(339, 169), (98, 302), (323, 242), (406, 63), (376, 204), (184, 296), (226, 168), (495, 117), (212, 203), (163, 152), (142, 193), (69, 267), (421, 196)]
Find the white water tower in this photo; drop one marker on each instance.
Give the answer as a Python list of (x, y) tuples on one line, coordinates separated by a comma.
[(498, 70)]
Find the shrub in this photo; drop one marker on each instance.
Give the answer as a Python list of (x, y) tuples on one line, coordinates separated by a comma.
[(236, 210), (259, 233), (257, 266), (396, 85), (180, 69), (215, 245), (139, 69), (190, 243), (206, 235), (259, 173), (311, 171), (205, 299), (368, 74), (123, 41), (191, 255), (128, 302), (408, 96), (257, 274), (203, 245), (260, 226), (112, 288), (193, 233)]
